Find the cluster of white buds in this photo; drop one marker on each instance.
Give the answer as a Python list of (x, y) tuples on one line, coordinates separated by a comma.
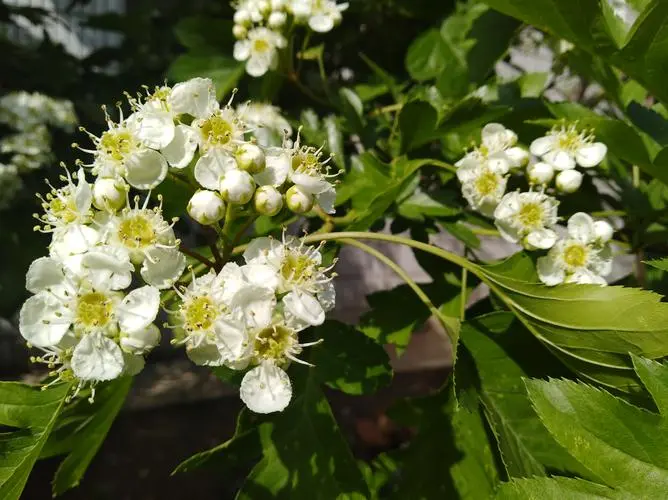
[(29, 147), (249, 317), (88, 315), (530, 218), (261, 27)]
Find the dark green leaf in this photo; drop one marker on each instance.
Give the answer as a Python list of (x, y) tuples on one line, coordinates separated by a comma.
[(352, 109), (424, 59), (420, 205), (556, 488), (417, 123), (205, 33), (224, 71)]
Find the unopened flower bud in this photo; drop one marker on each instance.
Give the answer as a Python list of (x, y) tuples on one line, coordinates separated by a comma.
[(298, 200), (250, 158), (540, 173), (109, 194), (206, 207), (277, 19), (569, 181), (141, 341), (239, 31), (268, 201), (603, 231), (237, 187), (264, 6), (242, 17)]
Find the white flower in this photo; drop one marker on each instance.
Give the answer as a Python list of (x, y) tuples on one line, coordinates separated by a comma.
[(68, 205), (149, 240), (580, 258), (259, 50), (109, 194), (195, 97), (268, 200), (237, 187), (308, 289), (251, 291), (97, 358), (277, 19), (603, 231), (540, 173), (497, 149), (563, 147), (527, 218), (206, 207), (266, 123), (483, 185), (321, 15), (569, 181)]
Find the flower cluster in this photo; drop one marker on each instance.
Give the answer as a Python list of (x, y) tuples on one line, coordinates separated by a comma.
[(249, 317), (530, 218), (86, 315), (29, 147), (261, 27)]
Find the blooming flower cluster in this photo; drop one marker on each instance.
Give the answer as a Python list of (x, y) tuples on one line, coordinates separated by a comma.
[(28, 148), (261, 27), (530, 218), (249, 317)]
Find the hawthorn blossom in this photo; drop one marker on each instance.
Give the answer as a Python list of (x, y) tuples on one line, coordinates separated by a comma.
[(527, 218), (565, 146)]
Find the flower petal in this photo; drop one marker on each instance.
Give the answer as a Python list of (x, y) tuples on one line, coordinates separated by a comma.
[(231, 339), (97, 358), (211, 167), (83, 194), (256, 304), (196, 97), (327, 296), (304, 307), (241, 50), (542, 145), (258, 66), (145, 169), (560, 160), (154, 127), (275, 172), (321, 23), (591, 154), (266, 389), (581, 228), (138, 309), (108, 266), (43, 320), (543, 239), (517, 156), (44, 273), (140, 341), (179, 153), (326, 200), (72, 240), (549, 271), (310, 184), (264, 250), (163, 267)]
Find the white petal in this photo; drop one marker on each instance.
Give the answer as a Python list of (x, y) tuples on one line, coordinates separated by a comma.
[(205, 354), (261, 275), (266, 389), (507, 231), (275, 172), (543, 239), (97, 358), (140, 341), (138, 309), (581, 228), (549, 271), (231, 339), (498, 163), (43, 273), (145, 169), (241, 50), (211, 167), (196, 97), (591, 155), (508, 206), (163, 267), (321, 23), (327, 296), (256, 303), (560, 160), (304, 307), (43, 320), (83, 194), (490, 133), (264, 250), (326, 200), (155, 127), (585, 277), (179, 153), (603, 231), (542, 145), (257, 66), (73, 239), (517, 156), (108, 266), (310, 184)]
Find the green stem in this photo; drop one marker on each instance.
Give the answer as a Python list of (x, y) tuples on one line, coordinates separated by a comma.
[(609, 213), (198, 257)]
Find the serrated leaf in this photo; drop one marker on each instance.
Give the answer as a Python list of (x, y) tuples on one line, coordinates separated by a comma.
[(32, 412), (556, 488), (623, 445), (654, 377), (349, 361), (89, 435)]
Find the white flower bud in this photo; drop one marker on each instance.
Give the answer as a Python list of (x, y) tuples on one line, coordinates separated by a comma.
[(250, 158), (109, 194), (239, 31), (237, 187), (242, 17), (206, 207), (277, 19), (268, 201), (263, 6), (540, 173), (142, 341), (298, 200), (603, 231), (569, 181)]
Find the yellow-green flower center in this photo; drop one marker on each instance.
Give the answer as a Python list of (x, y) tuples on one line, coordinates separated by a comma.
[(306, 163), (65, 210), (136, 231), (116, 144), (273, 342), (216, 130), (297, 267), (486, 183), (571, 139), (94, 309), (575, 255), (530, 215), (199, 313), (260, 45)]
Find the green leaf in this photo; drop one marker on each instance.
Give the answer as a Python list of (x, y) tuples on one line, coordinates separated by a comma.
[(661, 264), (654, 377), (224, 71), (462, 233), (91, 432), (33, 413), (349, 361), (498, 344), (421, 205), (594, 345), (424, 59), (417, 123), (556, 488), (335, 140), (352, 109), (205, 33), (622, 444), (304, 454)]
